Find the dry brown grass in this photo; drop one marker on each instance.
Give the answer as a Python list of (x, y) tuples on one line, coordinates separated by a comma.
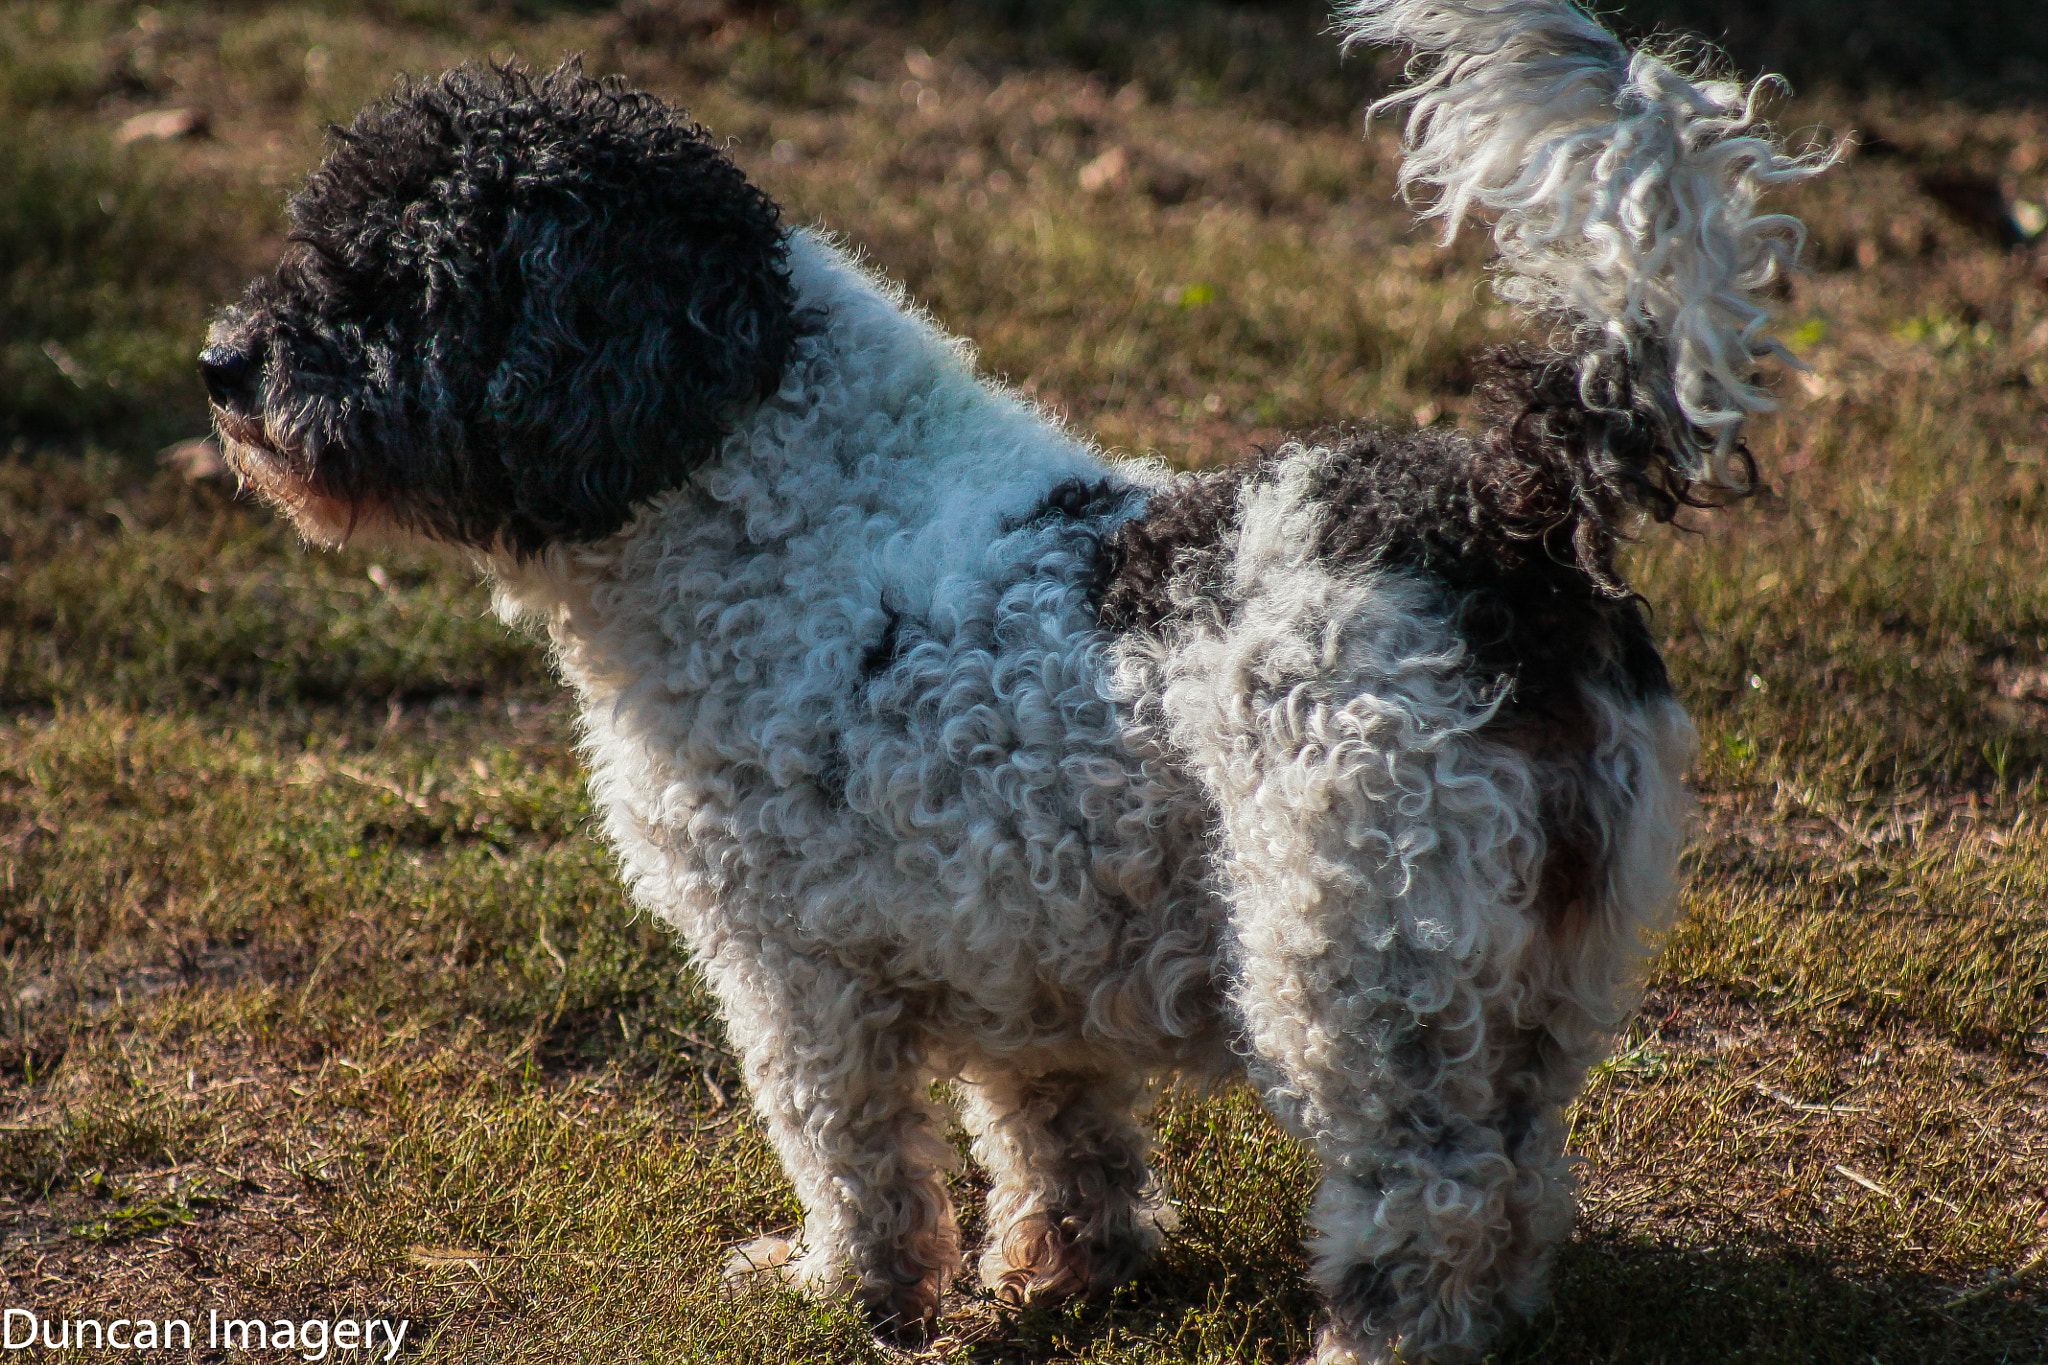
[(318, 998)]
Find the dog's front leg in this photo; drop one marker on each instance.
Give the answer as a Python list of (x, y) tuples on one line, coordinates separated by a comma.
[(842, 1087), (1074, 1207)]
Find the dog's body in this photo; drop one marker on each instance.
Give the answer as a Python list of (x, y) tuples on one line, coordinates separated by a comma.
[(953, 750), (860, 733)]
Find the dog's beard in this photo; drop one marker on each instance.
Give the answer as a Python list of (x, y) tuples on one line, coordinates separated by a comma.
[(262, 466)]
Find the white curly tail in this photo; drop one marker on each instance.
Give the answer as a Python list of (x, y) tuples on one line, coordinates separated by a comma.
[(1625, 193)]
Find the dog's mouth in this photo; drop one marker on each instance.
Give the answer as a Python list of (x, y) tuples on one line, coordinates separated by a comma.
[(259, 461), (277, 476), (247, 437)]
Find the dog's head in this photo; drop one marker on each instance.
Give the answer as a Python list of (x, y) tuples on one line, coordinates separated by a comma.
[(512, 309)]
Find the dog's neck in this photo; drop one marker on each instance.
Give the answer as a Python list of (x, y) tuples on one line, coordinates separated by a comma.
[(882, 463)]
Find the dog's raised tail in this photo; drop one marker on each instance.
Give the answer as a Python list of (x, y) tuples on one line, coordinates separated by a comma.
[(1623, 188)]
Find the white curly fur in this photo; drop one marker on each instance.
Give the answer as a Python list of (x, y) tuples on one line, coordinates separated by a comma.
[(1624, 189), (961, 867), (1054, 862)]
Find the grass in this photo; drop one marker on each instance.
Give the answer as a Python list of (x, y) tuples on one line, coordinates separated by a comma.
[(319, 998)]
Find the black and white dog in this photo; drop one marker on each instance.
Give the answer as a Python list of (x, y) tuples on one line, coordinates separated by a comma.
[(954, 750)]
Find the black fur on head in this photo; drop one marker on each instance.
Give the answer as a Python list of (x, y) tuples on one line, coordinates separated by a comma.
[(514, 308)]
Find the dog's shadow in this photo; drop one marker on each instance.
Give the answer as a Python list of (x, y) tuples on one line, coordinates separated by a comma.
[(1758, 1297), (1230, 1284), (1619, 1299)]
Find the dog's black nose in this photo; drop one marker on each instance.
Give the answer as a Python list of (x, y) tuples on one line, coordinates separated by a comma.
[(228, 372)]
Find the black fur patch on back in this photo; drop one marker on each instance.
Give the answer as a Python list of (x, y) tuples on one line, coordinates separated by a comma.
[(1508, 543), (1153, 564), (1077, 500), (1517, 525)]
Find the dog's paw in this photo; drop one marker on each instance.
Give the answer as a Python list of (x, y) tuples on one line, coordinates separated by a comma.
[(1040, 1260), (764, 1262), (1031, 1263)]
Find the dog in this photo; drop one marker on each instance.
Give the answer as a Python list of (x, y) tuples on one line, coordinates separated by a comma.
[(953, 749)]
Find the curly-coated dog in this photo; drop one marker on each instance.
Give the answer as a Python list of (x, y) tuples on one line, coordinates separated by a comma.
[(953, 749)]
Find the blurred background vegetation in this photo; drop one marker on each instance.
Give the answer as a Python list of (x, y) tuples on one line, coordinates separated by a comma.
[(109, 258), (1989, 50)]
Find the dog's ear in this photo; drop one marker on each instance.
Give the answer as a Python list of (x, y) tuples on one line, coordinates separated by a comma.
[(523, 306), (639, 302)]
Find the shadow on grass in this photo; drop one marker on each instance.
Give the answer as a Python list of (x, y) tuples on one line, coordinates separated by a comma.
[(1634, 1299), (1624, 1299)]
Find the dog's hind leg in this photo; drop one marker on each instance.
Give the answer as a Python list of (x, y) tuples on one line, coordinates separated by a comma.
[(1379, 926), (1615, 813), (1382, 846), (1416, 1011), (1431, 1220), (1073, 1206), (839, 1077)]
